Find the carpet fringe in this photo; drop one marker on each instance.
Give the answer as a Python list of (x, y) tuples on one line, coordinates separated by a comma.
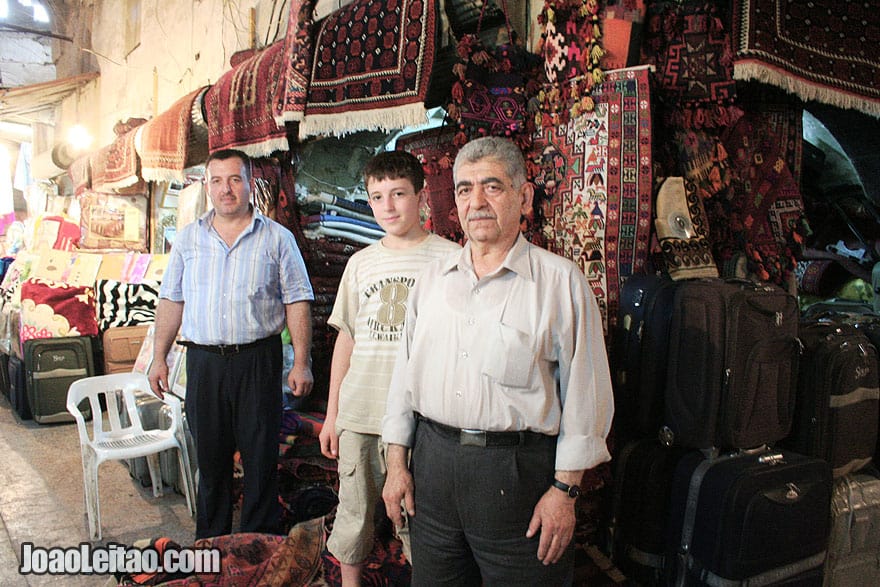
[(806, 90), (343, 123)]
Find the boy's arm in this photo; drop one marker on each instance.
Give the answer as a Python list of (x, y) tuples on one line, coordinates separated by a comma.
[(338, 368)]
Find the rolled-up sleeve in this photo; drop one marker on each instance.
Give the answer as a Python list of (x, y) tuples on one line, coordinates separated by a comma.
[(584, 386), (172, 280)]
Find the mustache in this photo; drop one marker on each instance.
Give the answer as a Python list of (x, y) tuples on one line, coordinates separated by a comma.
[(480, 216)]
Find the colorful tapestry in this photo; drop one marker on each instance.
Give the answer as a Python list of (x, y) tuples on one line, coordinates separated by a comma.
[(762, 218), (823, 50), (240, 106), (296, 62), (436, 149), (122, 165), (571, 47), (595, 172), (690, 47), (371, 68), (163, 142), (50, 309)]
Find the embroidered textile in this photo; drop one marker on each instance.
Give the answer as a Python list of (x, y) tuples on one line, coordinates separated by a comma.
[(162, 142), (371, 68), (824, 50), (596, 174), (51, 309), (297, 59), (240, 106), (436, 151), (763, 215), (570, 45), (121, 165), (691, 48)]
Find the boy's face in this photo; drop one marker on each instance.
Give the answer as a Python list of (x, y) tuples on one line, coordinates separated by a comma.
[(395, 205)]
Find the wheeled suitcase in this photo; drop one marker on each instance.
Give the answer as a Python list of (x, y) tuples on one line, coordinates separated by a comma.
[(837, 409), (640, 508), (4, 375), (755, 518), (733, 363), (51, 365), (854, 545), (121, 347), (168, 459), (639, 352), (18, 397)]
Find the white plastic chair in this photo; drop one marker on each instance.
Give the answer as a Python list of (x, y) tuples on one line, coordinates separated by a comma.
[(112, 439)]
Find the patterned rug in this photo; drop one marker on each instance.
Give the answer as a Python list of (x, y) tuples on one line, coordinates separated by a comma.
[(436, 150), (122, 167), (297, 59), (371, 67), (824, 50), (240, 106), (163, 142), (596, 174)]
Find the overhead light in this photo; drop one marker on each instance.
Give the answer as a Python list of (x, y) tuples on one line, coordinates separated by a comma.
[(79, 137), (4, 9), (40, 13)]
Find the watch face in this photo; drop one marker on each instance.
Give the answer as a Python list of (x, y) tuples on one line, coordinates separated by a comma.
[(574, 491)]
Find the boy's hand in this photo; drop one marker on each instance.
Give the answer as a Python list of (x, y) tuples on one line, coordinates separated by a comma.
[(329, 439)]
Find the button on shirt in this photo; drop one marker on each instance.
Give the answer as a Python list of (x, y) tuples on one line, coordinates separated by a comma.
[(519, 349), (235, 295)]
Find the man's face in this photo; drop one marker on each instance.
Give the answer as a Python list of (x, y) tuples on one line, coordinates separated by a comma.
[(489, 207), (229, 187)]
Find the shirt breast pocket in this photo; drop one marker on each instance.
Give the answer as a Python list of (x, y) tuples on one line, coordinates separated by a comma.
[(511, 357)]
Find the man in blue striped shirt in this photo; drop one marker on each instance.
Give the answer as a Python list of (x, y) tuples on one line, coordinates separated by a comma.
[(234, 279)]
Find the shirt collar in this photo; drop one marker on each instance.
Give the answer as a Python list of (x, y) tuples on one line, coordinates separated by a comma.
[(256, 216), (517, 259)]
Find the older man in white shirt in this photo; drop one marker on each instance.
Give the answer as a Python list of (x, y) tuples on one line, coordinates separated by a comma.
[(501, 395)]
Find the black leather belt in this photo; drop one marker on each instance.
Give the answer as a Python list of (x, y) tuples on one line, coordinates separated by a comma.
[(470, 437), (229, 349)]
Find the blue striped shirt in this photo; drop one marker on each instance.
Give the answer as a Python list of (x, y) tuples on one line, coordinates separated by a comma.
[(234, 295)]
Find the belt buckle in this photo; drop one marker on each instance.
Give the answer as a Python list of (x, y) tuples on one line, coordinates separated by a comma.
[(227, 349), (470, 437)]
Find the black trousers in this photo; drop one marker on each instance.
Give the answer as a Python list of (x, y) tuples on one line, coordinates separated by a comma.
[(473, 506), (235, 402)]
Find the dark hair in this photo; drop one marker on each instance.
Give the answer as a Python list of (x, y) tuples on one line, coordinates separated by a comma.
[(395, 165), (224, 154)]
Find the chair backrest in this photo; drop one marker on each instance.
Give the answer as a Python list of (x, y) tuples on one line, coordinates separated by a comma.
[(114, 388)]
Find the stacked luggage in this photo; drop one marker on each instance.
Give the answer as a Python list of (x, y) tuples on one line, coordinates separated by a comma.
[(740, 420)]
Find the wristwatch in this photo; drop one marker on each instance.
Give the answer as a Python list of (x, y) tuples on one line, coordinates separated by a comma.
[(572, 491)]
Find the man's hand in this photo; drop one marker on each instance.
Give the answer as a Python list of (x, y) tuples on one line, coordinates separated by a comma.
[(300, 380), (158, 377), (329, 439), (398, 486), (554, 517)]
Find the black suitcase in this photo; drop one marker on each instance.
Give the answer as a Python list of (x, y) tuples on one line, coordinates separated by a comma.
[(854, 545), (757, 518), (18, 389), (733, 363), (640, 508), (837, 409), (51, 365), (639, 353), (4, 375)]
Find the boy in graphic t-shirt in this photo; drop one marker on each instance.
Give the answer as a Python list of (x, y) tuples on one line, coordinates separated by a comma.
[(369, 314)]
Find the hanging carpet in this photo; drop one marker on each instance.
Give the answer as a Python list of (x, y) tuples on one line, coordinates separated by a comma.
[(371, 68), (163, 142), (595, 171), (240, 106), (823, 50), (296, 61)]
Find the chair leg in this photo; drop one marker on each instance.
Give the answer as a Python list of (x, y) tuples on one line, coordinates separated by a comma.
[(186, 477), (155, 474), (90, 495)]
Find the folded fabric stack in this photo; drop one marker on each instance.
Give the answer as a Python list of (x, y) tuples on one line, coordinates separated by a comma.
[(333, 217)]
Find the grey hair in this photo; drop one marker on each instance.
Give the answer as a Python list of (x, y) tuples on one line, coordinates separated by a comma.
[(503, 150)]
